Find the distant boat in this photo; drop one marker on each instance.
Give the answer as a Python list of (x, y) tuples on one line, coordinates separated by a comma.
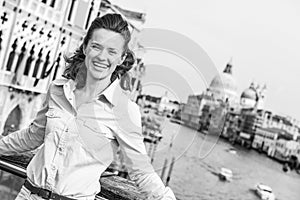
[(225, 174), (264, 192), (177, 121), (231, 150)]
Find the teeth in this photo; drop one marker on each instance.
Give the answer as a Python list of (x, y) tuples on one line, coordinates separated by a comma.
[(99, 65)]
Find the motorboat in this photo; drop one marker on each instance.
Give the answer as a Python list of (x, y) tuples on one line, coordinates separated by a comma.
[(225, 174), (264, 192)]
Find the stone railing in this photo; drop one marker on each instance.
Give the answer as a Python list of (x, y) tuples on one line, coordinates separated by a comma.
[(112, 187)]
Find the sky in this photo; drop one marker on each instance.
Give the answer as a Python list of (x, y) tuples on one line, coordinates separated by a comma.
[(261, 37)]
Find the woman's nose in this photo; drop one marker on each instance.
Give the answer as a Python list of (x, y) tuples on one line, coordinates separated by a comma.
[(102, 54)]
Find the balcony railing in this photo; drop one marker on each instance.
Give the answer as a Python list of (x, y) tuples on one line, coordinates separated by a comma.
[(13, 174)]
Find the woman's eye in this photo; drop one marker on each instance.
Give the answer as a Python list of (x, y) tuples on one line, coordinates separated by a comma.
[(96, 47), (112, 52)]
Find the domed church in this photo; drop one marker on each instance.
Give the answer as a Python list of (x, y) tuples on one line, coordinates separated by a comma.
[(253, 97), (249, 97), (224, 87)]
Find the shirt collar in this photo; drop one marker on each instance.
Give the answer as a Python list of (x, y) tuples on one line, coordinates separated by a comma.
[(111, 93)]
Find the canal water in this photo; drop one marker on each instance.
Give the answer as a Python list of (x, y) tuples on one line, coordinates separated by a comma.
[(198, 159)]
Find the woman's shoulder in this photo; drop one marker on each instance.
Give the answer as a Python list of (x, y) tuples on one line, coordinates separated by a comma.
[(125, 100), (56, 85), (59, 81), (127, 107)]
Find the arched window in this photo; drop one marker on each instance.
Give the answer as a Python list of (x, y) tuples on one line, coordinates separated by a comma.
[(13, 121)]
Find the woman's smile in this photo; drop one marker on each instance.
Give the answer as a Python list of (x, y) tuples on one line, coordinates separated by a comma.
[(100, 65)]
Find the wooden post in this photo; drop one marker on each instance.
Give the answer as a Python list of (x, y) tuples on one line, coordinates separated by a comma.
[(170, 171), (154, 150), (150, 148), (164, 169)]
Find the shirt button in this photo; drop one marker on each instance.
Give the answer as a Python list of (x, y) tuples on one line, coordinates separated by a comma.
[(53, 167), (67, 130), (60, 148)]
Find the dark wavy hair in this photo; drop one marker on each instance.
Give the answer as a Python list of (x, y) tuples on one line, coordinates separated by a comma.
[(112, 22)]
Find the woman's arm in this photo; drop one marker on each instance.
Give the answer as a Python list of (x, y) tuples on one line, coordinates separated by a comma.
[(26, 139), (131, 143)]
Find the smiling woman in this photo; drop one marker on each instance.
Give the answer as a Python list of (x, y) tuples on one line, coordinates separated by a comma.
[(86, 116), (103, 54)]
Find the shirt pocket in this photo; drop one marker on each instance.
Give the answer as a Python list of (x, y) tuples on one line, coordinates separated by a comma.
[(96, 139), (54, 120)]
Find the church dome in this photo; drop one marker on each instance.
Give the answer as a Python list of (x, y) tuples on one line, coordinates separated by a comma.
[(224, 86), (249, 93), (249, 97)]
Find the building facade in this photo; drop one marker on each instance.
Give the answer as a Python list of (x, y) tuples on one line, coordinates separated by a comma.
[(203, 111)]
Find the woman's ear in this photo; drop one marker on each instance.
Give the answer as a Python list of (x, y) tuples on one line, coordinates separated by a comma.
[(122, 59)]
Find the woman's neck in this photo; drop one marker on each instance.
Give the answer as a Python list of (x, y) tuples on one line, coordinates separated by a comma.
[(94, 87)]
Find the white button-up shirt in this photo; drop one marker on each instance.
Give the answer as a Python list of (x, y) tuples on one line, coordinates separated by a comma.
[(78, 144)]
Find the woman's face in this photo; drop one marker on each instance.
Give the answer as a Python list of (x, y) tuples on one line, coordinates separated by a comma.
[(103, 53)]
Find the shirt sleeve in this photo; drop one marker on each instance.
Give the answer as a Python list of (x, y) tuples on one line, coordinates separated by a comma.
[(26, 139), (140, 170)]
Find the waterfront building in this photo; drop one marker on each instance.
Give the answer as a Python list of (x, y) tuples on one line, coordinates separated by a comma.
[(201, 109), (191, 111), (197, 106), (265, 140), (272, 120), (232, 125), (217, 119), (250, 121), (166, 106), (285, 148), (147, 101), (250, 115), (276, 143)]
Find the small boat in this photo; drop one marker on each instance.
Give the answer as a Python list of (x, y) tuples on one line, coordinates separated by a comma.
[(225, 174), (174, 120), (231, 150), (264, 192)]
